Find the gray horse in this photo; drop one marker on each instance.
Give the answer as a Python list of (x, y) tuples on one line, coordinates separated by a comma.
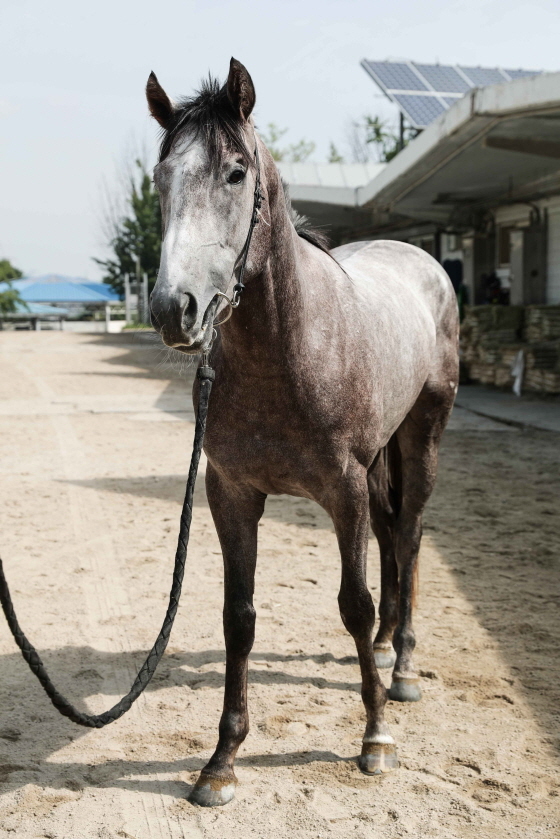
[(335, 378)]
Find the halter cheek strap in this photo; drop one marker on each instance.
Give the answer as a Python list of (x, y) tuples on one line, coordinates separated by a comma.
[(258, 198), (239, 286)]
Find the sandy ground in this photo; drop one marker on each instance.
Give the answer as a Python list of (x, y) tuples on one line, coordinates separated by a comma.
[(95, 437)]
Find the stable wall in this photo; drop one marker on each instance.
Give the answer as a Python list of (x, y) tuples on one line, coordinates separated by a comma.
[(518, 216)]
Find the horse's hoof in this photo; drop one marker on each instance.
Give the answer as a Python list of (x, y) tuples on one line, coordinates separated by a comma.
[(210, 791), (405, 688), (385, 656), (378, 758)]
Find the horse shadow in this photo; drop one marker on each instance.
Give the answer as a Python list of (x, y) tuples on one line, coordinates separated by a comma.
[(32, 732), (300, 512)]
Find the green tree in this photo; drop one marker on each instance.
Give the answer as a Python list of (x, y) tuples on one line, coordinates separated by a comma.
[(334, 155), (294, 153), (372, 138), (9, 271), (135, 234), (271, 138), (386, 141), (9, 296)]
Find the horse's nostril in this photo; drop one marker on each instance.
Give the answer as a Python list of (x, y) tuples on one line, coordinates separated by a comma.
[(190, 309)]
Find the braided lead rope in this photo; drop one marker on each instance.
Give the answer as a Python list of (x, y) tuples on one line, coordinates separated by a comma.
[(30, 654)]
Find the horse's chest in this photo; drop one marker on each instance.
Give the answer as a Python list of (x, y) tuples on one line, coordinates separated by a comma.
[(272, 442)]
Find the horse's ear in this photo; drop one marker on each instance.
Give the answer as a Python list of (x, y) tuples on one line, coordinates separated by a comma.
[(159, 103), (240, 89)]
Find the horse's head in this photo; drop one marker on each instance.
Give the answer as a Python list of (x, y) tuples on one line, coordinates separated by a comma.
[(206, 179)]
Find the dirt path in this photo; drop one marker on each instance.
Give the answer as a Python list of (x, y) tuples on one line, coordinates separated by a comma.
[(95, 440)]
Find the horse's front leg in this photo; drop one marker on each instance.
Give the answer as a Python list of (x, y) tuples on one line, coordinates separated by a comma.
[(236, 512), (349, 510)]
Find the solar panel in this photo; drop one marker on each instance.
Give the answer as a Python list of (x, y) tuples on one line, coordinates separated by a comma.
[(482, 76), (520, 74), (424, 91), (396, 76), (443, 78), (419, 110)]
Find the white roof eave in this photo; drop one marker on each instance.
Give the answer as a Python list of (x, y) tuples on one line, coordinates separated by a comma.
[(338, 195), (475, 114), (328, 183)]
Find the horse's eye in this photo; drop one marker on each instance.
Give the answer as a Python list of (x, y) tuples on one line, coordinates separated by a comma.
[(236, 176)]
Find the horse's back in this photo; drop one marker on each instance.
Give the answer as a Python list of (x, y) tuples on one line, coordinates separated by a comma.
[(399, 276), (407, 310)]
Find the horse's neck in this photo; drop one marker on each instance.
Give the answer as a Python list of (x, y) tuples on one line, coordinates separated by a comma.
[(267, 326)]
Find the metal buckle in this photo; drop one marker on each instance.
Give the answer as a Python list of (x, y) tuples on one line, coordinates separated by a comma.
[(232, 305)]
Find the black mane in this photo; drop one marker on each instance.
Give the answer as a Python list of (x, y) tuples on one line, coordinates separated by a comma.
[(303, 226), (209, 116)]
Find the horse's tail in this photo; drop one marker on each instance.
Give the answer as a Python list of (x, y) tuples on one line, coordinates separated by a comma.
[(393, 463)]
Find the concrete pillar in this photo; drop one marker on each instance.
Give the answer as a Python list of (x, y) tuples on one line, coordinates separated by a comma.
[(145, 301), (127, 301)]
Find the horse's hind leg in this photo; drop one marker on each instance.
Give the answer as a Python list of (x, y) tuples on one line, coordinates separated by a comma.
[(236, 511), (418, 438), (383, 508), (348, 509)]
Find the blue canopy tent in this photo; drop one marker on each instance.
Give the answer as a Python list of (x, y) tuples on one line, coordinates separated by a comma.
[(51, 291), (54, 288)]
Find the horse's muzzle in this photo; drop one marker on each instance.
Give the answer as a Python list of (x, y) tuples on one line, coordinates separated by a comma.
[(175, 317)]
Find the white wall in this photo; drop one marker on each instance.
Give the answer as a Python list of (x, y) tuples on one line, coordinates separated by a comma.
[(93, 326), (448, 251), (519, 214), (512, 214)]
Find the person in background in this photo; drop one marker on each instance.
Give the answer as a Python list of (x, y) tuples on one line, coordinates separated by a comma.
[(454, 268)]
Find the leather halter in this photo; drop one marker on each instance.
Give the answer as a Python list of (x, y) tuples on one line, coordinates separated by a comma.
[(258, 198), (239, 286)]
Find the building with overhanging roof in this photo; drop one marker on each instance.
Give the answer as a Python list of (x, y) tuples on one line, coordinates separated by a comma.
[(480, 185)]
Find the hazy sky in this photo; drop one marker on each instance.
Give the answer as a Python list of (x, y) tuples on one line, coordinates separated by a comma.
[(72, 79)]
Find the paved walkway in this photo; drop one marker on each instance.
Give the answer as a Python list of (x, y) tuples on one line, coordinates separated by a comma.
[(506, 407)]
